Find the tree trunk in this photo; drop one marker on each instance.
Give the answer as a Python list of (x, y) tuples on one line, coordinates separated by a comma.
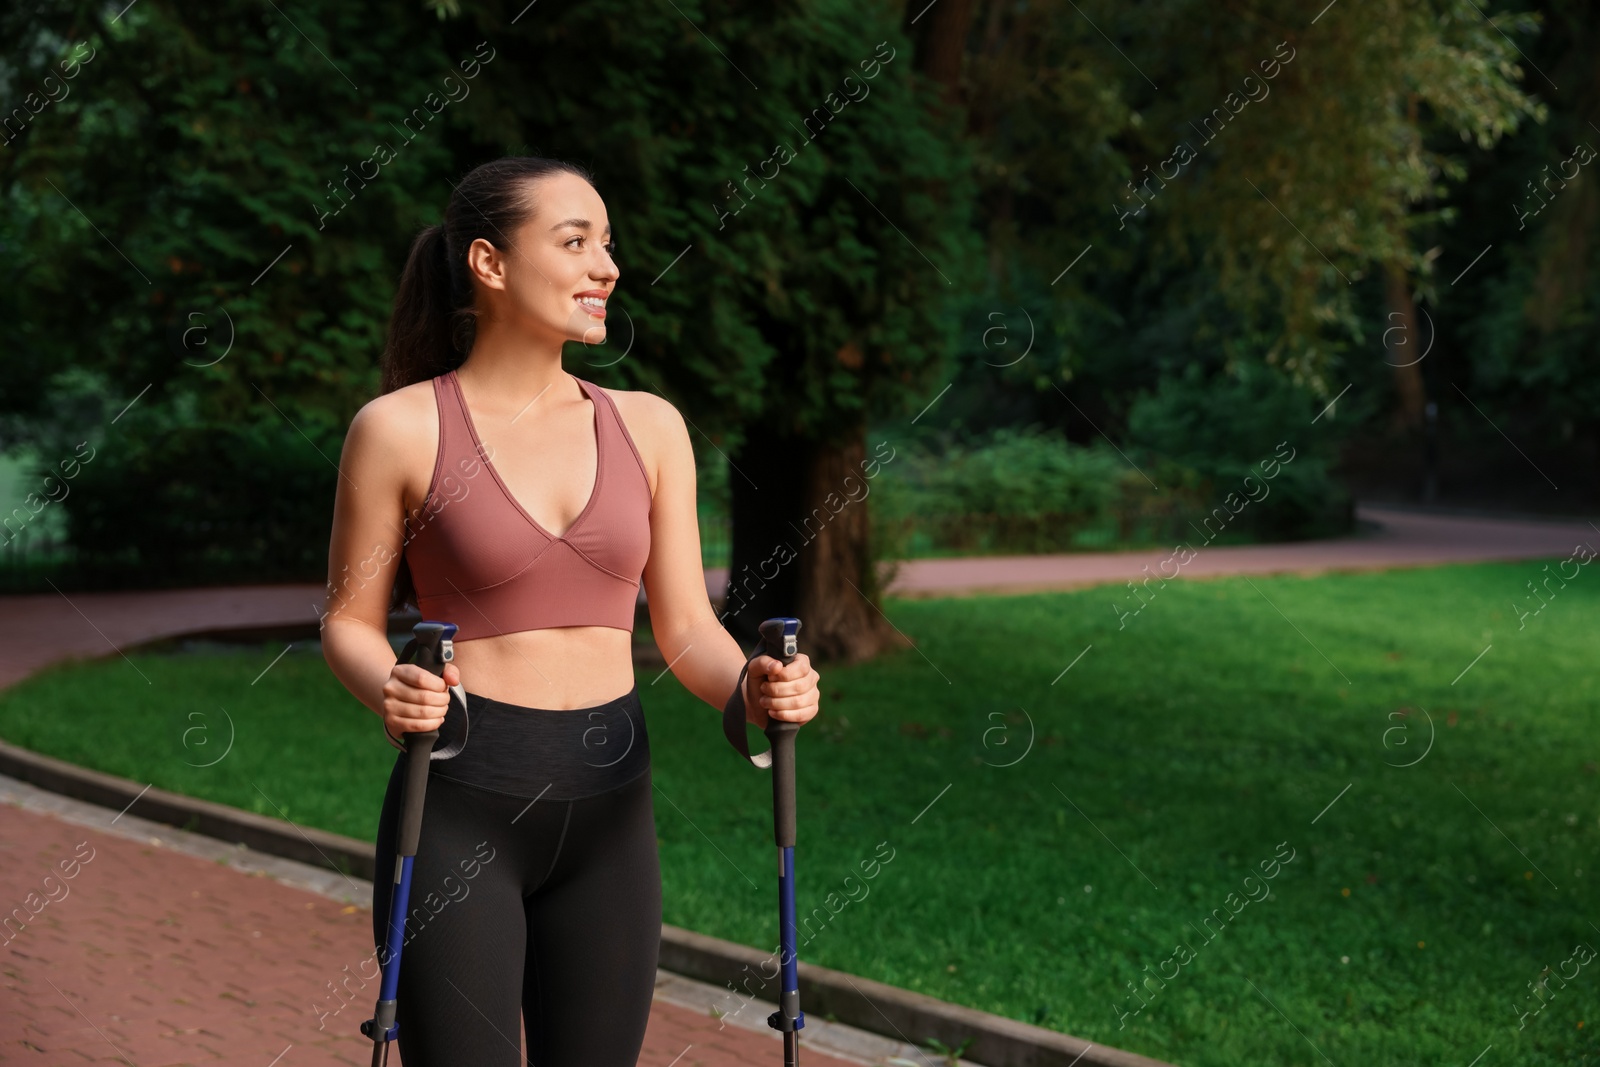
[(839, 591), (1405, 346), (940, 39), (763, 506), (802, 545)]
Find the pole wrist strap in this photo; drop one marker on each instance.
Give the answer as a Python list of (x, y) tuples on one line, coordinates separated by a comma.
[(734, 716)]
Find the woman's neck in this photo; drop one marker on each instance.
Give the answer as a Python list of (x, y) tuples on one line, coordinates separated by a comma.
[(508, 367)]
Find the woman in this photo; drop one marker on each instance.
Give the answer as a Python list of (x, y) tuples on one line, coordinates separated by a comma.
[(536, 883)]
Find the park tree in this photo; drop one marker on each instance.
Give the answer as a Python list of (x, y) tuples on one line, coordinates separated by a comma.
[(1258, 180), (1521, 331), (793, 223), (204, 158), (197, 278)]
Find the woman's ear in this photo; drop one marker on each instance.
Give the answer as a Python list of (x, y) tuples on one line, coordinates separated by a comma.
[(486, 264)]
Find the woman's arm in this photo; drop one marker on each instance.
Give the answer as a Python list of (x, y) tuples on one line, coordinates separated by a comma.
[(363, 559), (702, 655)]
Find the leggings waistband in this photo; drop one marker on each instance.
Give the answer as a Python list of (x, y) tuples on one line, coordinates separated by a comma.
[(550, 754)]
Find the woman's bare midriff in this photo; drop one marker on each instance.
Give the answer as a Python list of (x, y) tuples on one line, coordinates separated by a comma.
[(560, 668)]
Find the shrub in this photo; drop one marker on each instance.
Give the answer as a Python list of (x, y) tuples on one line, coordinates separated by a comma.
[(1020, 490), (172, 499), (1224, 426)]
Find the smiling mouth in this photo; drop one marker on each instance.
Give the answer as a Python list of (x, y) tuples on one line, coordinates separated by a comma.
[(595, 310)]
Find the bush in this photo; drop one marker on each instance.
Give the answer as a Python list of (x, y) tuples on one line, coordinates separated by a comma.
[(173, 498), (1223, 427), (1020, 490), (1011, 472)]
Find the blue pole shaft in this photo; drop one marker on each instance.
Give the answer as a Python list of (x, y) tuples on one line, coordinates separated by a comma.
[(398, 903), (787, 935)]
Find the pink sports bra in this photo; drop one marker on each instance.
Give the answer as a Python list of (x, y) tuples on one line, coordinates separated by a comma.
[(480, 561)]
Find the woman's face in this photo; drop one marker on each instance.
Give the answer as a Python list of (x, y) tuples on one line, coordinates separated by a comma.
[(557, 275)]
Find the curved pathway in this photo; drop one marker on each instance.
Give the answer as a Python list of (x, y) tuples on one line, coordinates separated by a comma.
[(1389, 538), (62, 626)]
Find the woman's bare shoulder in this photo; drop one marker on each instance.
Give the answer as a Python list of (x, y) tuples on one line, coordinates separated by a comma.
[(398, 412), (399, 427), (649, 416), (648, 406), (655, 425)]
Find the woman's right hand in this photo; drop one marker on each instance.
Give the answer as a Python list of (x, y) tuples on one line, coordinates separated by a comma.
[(415, 699)]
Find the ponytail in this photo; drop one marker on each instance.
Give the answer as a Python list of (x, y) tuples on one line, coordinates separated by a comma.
[(420, 326), (434, 321)]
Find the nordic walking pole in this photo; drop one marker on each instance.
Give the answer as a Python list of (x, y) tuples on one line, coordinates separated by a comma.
[(778, 635), (431, 643), (777, 641)]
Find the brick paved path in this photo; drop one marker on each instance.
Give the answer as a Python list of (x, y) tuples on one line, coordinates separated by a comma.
[(151, 957)]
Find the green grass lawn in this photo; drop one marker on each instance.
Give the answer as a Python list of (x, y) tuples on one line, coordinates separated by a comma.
[(1229, 721)]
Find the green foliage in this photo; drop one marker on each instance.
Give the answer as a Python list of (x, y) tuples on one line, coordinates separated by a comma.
[(788, 242), (229, 126), (1225, 427), (1302, 185), (239, 214), (1339, 124), (1019, 491), (776, 274), (208, 281), (1024, 471), (176, 499), (1359, 152), (1528, 314), (950, 1054), (164, 494)]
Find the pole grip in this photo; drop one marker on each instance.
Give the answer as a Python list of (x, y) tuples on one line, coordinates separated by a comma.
[(430, 648), (778, 636), (780, 735), (419, 747)]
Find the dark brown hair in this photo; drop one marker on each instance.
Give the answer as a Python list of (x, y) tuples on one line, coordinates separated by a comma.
[(434, 320)]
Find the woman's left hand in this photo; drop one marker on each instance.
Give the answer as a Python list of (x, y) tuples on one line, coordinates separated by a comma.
[(774, 691)]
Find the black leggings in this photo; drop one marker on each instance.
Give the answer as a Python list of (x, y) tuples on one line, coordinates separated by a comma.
[(536, 887)]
